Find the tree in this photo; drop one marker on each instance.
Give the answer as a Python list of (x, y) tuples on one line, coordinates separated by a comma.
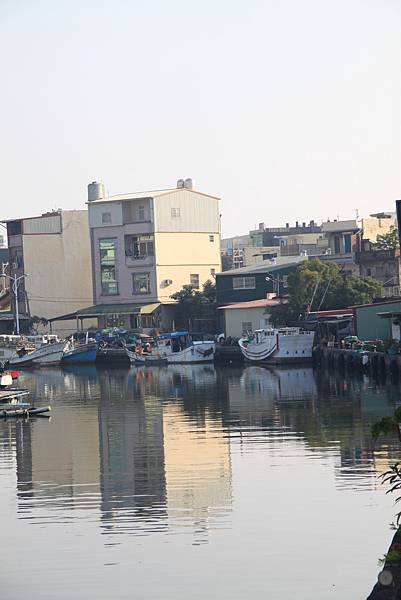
[(35, 321), (318, 285), (197, 309), (387, 241)]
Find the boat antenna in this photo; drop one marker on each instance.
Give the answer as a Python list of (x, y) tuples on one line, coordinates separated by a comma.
[(325, 292), (314, 293)]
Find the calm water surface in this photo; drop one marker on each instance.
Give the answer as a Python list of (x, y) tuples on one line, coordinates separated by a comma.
[(190, 482)]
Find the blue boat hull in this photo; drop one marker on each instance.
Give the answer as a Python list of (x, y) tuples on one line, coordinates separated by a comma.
[(80, 356)]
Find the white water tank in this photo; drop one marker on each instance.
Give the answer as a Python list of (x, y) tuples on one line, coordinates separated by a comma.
[(96, 191), (188, 183)]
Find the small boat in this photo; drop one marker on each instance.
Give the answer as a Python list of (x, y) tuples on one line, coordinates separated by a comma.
[(177, 347), (278, 346), (13, 405), (80, 354), (48, 354), (21, 411)]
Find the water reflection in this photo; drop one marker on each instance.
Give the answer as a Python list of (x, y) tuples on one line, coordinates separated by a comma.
[(151, 449)]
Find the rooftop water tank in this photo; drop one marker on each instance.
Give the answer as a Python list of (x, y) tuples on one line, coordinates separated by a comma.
[(180, 183), (96, 191), (188, 184)]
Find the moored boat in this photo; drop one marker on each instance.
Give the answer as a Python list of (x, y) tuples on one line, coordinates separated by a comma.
[(177, 347), (278, 346), (48, 354), (81, 354)]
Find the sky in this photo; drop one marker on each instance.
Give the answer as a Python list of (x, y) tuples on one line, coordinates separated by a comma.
[(287, 110)]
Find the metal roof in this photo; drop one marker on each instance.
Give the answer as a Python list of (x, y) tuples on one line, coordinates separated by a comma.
[(148, 194), (280, 263), (99, 310)]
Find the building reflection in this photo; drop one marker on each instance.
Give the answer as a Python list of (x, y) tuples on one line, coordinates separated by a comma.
[(152, 448)]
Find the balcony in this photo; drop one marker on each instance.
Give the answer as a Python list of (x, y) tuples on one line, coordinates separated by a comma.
[(139, 260)]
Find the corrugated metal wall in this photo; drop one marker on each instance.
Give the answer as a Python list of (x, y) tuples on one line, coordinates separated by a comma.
[(50, 224), (196, 212)]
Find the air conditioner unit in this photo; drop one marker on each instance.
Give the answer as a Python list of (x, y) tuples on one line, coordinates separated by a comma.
[(168, 281)]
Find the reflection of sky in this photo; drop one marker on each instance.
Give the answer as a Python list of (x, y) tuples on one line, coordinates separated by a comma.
[(198, 457)]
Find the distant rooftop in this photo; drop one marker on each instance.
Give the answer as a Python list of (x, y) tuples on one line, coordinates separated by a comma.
[(279, 263)]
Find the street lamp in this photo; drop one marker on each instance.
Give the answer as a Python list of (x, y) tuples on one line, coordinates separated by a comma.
[(276, 282), (16, 282)]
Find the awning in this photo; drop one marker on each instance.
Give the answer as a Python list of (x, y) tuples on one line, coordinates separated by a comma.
[(389, 315), (148, 309), (6, 315), (99, 310)]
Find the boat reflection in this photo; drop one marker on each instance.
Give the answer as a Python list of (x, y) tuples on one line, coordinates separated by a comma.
[(154, 448)]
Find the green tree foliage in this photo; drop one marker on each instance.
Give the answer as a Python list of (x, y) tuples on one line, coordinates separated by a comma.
[(318, 285), (196, 309), (387, 241)]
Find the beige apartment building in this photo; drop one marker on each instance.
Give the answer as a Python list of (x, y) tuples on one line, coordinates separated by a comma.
[(51, 254), (145, 247)]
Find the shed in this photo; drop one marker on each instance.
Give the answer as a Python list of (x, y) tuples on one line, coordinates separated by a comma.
[(242, 317), (369, 325)]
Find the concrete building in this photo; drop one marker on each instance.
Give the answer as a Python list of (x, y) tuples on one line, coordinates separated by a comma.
[(378, 224), (382, 265), (343, 240), (145, 247), (53, 251), (241, 318)]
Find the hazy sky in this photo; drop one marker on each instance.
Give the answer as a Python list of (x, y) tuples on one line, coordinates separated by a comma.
[(287, 109)]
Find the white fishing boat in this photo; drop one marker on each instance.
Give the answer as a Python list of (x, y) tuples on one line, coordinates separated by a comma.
[(278, 346), (175, 348), (47, 354)]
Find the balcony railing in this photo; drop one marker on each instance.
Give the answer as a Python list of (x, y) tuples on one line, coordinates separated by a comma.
[(132, 260)]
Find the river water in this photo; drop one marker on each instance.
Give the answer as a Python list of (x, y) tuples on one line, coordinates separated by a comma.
[(191, 482)]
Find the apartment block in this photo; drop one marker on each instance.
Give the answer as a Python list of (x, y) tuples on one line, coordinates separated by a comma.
[(51, 254), (145, 247)]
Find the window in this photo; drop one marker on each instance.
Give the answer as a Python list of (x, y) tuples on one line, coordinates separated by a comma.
[(246, 327), (347, 243), (337, 244), (368, 272), (175, 212), (244, 283), (211, 238), (212, 272), (108, 270), (106, 218), (139, 246), (141, 213), (284, 280), (194, 280), (141, 283)]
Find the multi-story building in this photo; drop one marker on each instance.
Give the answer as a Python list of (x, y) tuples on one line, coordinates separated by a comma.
[(382, 265), (51, 255), (343, 240), (145, 247)]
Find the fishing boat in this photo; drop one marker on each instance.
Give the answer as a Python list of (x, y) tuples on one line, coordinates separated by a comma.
[(278, 346), (79, 354), (175, 348), (47, 354)]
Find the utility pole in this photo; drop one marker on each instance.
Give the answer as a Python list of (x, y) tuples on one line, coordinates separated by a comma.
[(15, 285)]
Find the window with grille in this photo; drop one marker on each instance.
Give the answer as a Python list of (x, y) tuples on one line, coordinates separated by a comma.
[(194, 280), (141, 283), (246, 327), (108, 267), (106, 218), (175, 212), (139, 246), (244, 283)]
